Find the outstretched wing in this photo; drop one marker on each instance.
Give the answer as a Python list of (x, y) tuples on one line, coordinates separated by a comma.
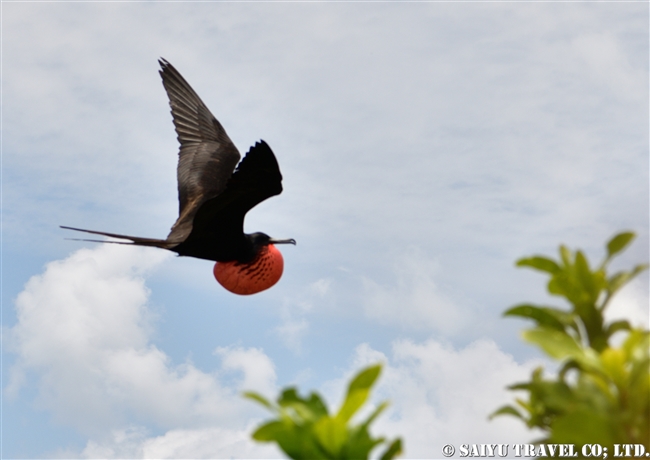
[(207, 156), (257, 178)]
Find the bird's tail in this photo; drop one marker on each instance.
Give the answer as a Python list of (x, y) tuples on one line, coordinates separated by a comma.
[(135, 240)]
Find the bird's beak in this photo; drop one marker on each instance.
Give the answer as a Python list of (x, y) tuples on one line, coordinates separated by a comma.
[(287, 241)]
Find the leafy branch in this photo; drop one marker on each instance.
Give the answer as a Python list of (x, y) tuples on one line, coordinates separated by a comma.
[(304, 429), (602, 393)]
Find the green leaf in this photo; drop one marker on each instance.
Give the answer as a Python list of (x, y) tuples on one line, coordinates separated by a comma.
[(620, 279), (559, 285), (331, 434), (637, 350), (639, 383), (289, 396), (296, 441), (565, 284), (259, 398), (506, 410), (519, 386), (304, 410), (353, 401), (317, 405), (638, 269), (271, 431), (560, 345), (360, 443), (618, 243), (539, 263), (358, 392), (568, 366), (375, 413), (615, 282), (620, 325), (614, 364), (365, 379), (544, 316), (393, 450), (304, 430), (582, 427), (635, 344), (555, 343), (565, 254), (590, 282)]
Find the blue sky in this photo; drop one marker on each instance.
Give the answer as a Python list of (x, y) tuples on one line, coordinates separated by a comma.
[(424, 148)]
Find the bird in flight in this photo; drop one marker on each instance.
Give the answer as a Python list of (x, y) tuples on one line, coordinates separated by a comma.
[(214, 194)]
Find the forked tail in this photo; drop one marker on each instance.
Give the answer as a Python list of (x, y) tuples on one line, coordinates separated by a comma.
[(135, 240)]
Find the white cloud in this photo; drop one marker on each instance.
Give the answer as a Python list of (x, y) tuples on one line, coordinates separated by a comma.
[(609, 64), (295, 326), (292, 331), (84, 328), (84, 331), (441, 395), (257, 368), (82, 311), (198, 443), (414, 300)]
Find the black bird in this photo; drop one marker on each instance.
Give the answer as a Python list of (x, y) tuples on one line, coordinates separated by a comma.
[(214, 197)]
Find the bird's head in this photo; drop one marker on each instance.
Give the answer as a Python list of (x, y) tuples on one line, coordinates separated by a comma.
[(260, 273), (260, 239)]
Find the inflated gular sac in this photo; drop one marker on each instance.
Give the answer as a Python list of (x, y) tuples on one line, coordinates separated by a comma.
[(260, 274)]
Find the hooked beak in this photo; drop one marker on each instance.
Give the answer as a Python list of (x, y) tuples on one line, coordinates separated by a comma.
[(287, 241)]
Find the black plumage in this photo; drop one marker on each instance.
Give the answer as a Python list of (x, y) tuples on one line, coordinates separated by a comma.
[(213, 200)]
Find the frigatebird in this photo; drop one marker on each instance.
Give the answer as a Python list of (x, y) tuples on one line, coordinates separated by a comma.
[(214, 197)]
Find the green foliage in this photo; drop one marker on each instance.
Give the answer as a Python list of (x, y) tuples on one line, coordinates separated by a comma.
[(304, 429), (601, 393)]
